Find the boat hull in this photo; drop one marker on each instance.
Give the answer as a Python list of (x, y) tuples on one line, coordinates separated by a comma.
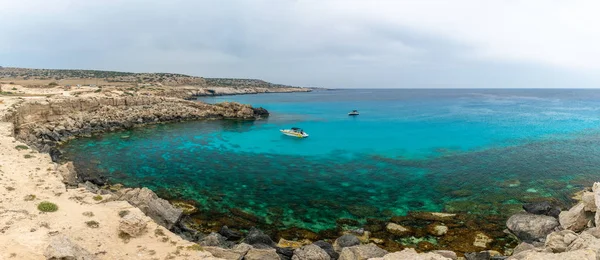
[(293, 134)]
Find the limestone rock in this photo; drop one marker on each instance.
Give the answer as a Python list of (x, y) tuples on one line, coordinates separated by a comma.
[(310, 252), (481, 240), (133, 224), (261, 254), (213, 239), (529, 227), (68, 173), (560, 240), (362, 252), (410, 253), (584, 254), (523, 246), (345, 241), (542, 208), (437, 229), (228, 254), (160, 210), (585, 241), (62, 248), (242, 248), (575, 219), (446, 253), (589, 201), (397, 229)]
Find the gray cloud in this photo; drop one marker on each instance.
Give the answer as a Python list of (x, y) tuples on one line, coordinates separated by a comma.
[(328, 43)]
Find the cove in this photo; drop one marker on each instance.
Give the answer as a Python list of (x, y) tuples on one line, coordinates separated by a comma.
[(476, 151)]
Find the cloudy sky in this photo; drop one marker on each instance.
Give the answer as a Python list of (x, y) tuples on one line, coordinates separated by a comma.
[(319, 43)]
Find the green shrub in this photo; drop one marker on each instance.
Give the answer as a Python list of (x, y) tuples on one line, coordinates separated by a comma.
[(88, 214), (195, 247), (14, 88), (27, 156), (97, 198), (53, 84), (21, 147), (92, 224), (46, 206), (123, 213), (29, 197)]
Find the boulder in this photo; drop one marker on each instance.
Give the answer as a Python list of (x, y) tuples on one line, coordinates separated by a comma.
[(310, 252), (589, 201), (523, 246), (483, 255), (583, 254), (410, 253), (255, 236), (285, 253), (68, 173), (54, 154), (575, 219), (362, 252), (446, 253), (560, 240), (160, 210), (228, 254), (133, 224), (230, 234), (396, 229), (242, 248), (585, 241), (542, 208), (437, 229), (284, 243), (345, 241), (213, 239), (62, 248), (261, 254), (328, 248), (529, 227)]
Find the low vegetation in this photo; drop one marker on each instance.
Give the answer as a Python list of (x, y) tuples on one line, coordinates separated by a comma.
[(46, 206), (27, 156), (123, 213), (97, 198), (29, 197), (88, 214), (21, 147), (92, 224)]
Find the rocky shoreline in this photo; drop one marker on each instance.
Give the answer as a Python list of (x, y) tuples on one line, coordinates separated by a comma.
[(43, 124)]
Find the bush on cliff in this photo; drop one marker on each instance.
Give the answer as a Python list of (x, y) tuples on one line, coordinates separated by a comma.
[(46, 206)]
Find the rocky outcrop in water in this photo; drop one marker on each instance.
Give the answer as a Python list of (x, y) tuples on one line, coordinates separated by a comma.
[(160, 210), (43, 124)]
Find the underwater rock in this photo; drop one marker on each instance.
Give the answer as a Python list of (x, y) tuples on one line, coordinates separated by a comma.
[(186, 208), (297, 233), (397, 230), (310, 252), (362, 252), (424, 246), (560, 240), (230, 234), (245, 215), (256, 237), (431, 216), (576, 218), (529, 227), (261, 254), (328, 248), (347, 222), (482, 240), (362, 211), (542, 208), (437, 229), (292, 244), (345, 241), (483, 255)]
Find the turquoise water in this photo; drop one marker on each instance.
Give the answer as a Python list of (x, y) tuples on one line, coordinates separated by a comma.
[(477, 151)]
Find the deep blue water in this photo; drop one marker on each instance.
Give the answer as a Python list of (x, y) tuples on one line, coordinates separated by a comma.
[(481, 151)]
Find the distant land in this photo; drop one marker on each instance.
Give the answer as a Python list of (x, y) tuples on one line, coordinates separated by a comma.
[(40, 77)]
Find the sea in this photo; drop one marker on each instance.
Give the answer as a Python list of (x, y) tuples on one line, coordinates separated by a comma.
[(479, 151)]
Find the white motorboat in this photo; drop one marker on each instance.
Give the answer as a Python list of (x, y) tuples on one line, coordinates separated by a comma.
[(353, 113), (294, 132)]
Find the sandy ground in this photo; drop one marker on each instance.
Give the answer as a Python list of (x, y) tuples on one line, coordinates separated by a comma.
[(25, 231)]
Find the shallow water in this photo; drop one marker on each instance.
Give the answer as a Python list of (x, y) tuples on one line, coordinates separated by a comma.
[(480, 151)]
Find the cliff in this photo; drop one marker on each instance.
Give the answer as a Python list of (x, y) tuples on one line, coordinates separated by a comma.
[(44, 123)]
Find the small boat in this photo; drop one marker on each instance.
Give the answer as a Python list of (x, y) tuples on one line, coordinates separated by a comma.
[(294, 132), (353, 113)]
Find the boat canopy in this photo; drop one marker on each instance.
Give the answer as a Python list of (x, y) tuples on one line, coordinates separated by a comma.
[(296, 129)]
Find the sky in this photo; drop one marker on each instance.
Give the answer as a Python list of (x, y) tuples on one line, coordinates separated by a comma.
[(316, 43)]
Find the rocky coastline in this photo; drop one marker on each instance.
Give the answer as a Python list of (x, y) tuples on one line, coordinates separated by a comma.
[(543, 230)]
